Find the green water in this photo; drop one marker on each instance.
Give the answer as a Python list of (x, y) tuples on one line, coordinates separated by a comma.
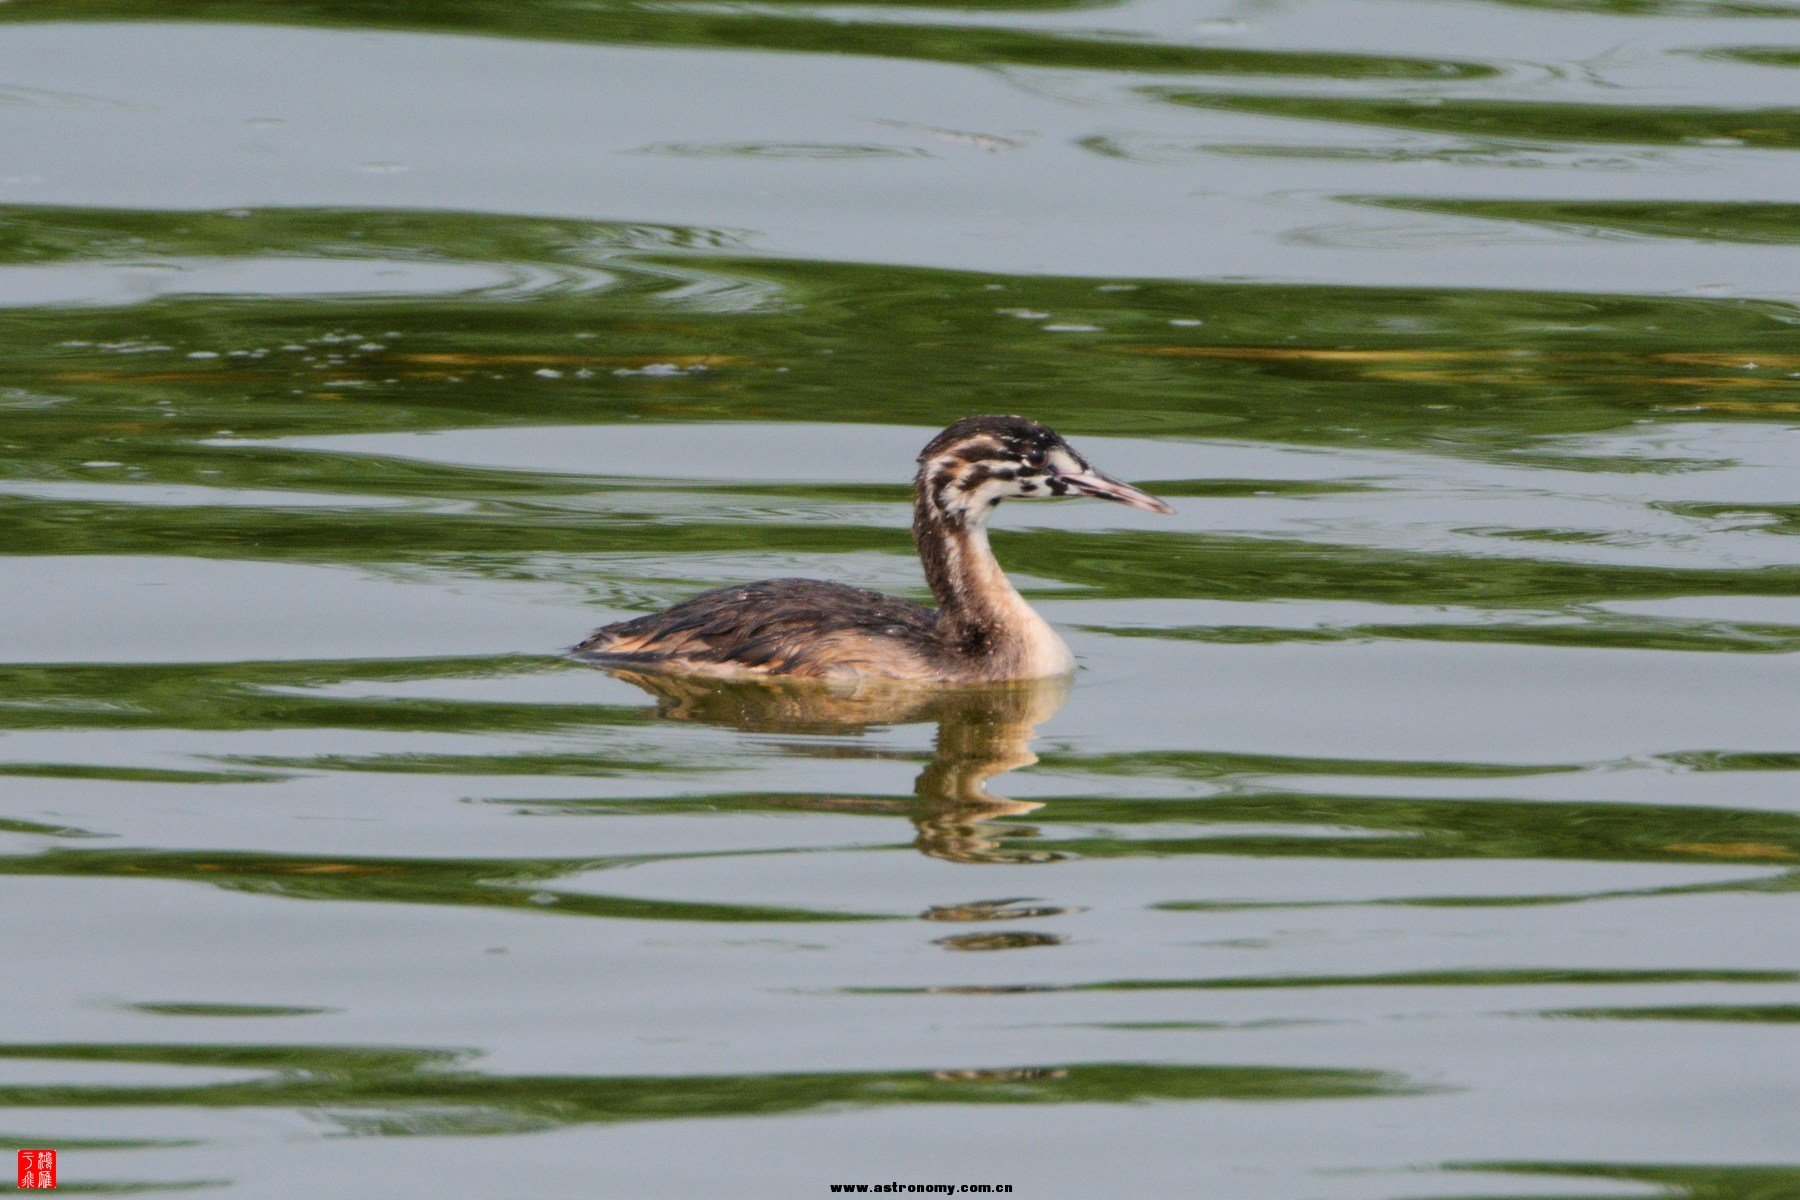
[(1421, 823)]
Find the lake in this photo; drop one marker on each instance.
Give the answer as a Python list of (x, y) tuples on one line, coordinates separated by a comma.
[(1422, 821)]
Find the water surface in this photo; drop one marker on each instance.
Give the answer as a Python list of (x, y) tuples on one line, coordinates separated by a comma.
[(1421, 822)]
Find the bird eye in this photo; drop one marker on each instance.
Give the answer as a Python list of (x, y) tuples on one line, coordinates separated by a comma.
[(1036, 460)]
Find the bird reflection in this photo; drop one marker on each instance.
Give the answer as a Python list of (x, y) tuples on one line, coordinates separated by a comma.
[(983, 731)]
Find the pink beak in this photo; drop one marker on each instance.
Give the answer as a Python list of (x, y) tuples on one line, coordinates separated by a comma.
[(1104, 487)]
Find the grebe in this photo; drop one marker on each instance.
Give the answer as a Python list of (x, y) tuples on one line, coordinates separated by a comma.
[(982, 629)]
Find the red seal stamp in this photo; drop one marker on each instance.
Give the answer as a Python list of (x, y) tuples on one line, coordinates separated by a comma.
[(37, 1168)]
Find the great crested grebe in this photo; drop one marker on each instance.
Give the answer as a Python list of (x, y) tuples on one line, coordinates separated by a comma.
[(982, 629)]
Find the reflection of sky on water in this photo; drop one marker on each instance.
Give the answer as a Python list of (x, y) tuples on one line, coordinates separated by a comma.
[(1421, 822)]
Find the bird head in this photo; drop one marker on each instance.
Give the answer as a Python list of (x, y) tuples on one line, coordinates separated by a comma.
[(979, 461)]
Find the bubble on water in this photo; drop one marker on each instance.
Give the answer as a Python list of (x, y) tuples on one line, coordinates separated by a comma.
[(656, 369)]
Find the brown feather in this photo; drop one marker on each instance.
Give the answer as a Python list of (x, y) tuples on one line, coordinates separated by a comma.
[(801, 627)]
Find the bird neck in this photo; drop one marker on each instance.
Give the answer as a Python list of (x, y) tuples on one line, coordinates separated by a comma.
[(981, 616)]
